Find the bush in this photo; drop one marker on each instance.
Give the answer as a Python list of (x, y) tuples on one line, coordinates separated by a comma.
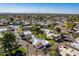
[(57, 29)]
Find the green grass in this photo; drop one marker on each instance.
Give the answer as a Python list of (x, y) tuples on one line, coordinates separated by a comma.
[(21, 49), (2, 54), (40, 35), (51, 41)]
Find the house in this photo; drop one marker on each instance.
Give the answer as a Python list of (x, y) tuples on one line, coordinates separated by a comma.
[(56, 37), (3, 22), (25, 35), (77, 26), (66, 37), (77, 33), (11, 28), (62, 37), (27, 23), (67, 51), (27, 27), (46, 31), (3, 30), (49, 33), (76, 43), (40, 43)]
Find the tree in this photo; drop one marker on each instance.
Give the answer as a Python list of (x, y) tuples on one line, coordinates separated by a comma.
[(57, 29), (21, 29), (69, 25), (8, 40), (50, 26), (11, 19), (1, 40), (35, 29), (77, 19), (54, 51)]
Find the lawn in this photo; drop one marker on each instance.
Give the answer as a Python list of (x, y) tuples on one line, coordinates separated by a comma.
[(2, 54), (51, 41), (21, 49)]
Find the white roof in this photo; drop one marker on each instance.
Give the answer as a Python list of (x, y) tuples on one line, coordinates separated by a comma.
[(45, 42), (76, 44), (56, 35), (27, 32), (77, 31), (35, 40), (38, 40), (77, 39), (46, 30), (3, 29)]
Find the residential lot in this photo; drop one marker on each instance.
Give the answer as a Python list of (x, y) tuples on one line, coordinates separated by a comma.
[(39, 35)]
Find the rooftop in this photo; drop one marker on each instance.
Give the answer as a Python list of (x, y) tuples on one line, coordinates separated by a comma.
[(65, 50)]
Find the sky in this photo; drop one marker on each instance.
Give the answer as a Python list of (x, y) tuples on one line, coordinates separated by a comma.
[(64, 8)]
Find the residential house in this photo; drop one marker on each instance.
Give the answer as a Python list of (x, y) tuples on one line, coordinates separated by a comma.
[(49, 33), (3, 22), (25, 35), (62, 37), (40, 43), (3, 30), (76, 43)]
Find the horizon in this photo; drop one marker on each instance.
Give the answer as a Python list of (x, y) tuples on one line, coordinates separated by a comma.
[(40, 13), (40, 8)]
